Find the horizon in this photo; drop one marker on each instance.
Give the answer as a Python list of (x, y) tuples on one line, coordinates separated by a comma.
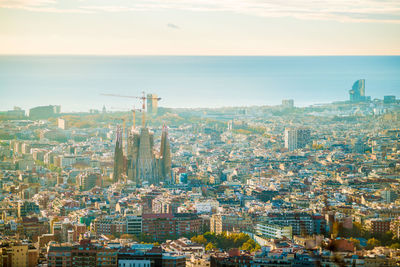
[(191, 81)]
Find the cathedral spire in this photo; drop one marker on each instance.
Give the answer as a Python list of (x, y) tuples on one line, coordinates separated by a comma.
[(118, 156)]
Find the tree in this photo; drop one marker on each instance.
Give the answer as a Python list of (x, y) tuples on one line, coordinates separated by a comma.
[(128, 236), (373, 242), (247, 246), (395, 246), (256, 248), (200, 239), (210, 246), (386, 238)]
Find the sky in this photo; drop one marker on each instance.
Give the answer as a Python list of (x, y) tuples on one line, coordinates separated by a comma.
[(200, 27)]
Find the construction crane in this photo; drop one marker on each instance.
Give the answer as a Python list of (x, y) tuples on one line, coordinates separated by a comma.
[(143, 98), (133, 115)]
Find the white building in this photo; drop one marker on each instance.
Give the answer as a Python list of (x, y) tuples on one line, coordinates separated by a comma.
[(274, 231)]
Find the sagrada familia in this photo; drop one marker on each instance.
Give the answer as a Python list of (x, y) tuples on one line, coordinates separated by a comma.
[(142, 164)]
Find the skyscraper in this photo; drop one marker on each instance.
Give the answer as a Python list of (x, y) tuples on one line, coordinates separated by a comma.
[(290, 139), (152, 104), (357, 93)]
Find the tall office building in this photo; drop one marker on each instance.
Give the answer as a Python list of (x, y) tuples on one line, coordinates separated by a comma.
[(152, 104), (118, 157), (290, 139), (297, 138), (357, 92)]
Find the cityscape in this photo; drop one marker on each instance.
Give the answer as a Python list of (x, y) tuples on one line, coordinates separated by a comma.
[(199, 133), (241, 186)]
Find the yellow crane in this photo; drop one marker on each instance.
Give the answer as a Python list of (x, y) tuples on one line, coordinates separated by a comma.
[(133, 114)]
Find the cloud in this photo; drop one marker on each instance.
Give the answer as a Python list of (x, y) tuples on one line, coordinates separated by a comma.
[(384, 11), (173, 26)]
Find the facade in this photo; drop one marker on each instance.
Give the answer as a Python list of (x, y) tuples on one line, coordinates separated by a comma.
[(297, 138), (108, 226), (395, 227), (84, 254), (274, 231), (164, 226), (16, 254), (389, 196), (133, 225), (62, 124), (87, 254), (378, 225), (26, 207), (166, 205), (229, 222), (87, 181), (300, 222), (117, 225)]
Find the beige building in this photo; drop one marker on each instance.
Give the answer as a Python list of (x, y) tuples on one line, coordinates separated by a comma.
[(229, 222)]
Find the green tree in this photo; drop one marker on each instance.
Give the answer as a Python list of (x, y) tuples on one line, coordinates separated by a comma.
[(247, 246), (128, 236), (373, 242), (210, 246), (395, 246), (256, 248), (200, 239)]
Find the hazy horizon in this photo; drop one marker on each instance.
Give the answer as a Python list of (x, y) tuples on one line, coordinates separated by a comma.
[(191, 81)]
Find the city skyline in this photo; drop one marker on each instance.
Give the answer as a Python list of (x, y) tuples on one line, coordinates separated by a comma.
[(196, 133), (187, 82)]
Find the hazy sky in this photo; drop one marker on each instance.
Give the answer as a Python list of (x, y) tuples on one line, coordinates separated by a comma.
[(200, 27)]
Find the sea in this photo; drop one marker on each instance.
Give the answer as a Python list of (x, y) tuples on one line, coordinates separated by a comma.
[(78, 82)]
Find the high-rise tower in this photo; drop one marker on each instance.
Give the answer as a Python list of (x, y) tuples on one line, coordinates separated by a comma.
[(357, 92), (297, 138), (152, 104)]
